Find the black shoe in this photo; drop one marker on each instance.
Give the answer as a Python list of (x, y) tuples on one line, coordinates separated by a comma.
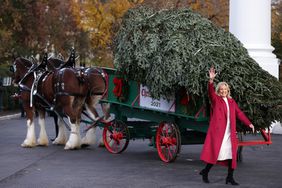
[(204, 175), (231, 180)]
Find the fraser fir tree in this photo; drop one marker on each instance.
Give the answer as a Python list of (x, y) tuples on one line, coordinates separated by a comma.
[(170, 49)]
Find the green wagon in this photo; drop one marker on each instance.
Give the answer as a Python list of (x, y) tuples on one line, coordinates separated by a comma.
[(167, 123)]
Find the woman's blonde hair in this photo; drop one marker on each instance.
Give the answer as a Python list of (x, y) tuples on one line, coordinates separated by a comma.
[(227, 86)]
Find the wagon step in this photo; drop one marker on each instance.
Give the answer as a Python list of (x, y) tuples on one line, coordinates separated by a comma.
[(254, 142), (266, 137)]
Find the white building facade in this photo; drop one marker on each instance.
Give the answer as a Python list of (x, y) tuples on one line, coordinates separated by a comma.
[(250, 22)]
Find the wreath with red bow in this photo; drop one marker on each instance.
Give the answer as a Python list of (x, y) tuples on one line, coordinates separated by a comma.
[(184, 98), (121, 88)]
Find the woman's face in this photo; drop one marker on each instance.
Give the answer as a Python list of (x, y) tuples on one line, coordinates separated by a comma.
[(223, 90)]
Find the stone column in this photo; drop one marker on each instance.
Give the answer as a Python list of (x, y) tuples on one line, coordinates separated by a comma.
[(250, 22)]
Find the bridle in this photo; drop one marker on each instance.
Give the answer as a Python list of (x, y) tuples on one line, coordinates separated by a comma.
[(29, 71)]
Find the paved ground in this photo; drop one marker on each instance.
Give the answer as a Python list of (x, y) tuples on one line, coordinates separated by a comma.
[(8, 114), (139, 166)]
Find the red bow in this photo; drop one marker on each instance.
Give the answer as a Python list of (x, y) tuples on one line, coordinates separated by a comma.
[(118, 87), (185, 100)]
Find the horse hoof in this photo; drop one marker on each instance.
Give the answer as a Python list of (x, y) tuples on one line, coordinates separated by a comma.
[(72, 147), (55, 143), (85, 145), (67, 147), (24, 145), (42, 145), (59, 142)]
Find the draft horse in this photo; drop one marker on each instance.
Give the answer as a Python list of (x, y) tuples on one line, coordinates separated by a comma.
[(63, 90), (97, 84)]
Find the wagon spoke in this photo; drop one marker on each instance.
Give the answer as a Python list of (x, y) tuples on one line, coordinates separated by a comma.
[(115, 145), (169, 153)]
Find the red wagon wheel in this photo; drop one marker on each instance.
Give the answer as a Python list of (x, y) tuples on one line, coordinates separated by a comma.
[(168, 141), (116, 136)]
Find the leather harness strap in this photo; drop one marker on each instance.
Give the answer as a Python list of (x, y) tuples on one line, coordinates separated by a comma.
[(100, 72), (60, 85)]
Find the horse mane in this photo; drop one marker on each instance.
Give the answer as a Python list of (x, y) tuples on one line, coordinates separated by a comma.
[(25, 61)]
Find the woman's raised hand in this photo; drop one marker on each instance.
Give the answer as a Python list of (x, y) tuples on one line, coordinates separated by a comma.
[(212, 73), (252, 127)]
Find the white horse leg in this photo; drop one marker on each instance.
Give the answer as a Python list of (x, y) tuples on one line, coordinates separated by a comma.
[(106, 111), (30, 140), (92, 115), (43, 138), (74, 141), (101, 142), (61, 138), (90, 137), (107, 118), (96, 99)]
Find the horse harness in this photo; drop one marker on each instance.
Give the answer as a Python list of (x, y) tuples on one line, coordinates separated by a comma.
[(60, 85), (81, 73), (40, 76), (103, 74)]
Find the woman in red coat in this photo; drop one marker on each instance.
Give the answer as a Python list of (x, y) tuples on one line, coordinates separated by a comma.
[(220, 145)]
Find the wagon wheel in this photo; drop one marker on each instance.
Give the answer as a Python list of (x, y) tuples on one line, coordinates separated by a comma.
[(116, 136), (168, 141)]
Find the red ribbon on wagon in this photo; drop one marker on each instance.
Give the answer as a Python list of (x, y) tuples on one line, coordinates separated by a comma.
[(118, 87)]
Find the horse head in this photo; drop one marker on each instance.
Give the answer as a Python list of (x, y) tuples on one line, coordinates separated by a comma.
[(20, 68)]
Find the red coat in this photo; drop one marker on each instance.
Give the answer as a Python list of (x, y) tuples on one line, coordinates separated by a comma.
[(218, 120)]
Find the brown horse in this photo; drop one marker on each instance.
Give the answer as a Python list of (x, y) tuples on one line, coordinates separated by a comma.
[(96, 80), (63, 90)]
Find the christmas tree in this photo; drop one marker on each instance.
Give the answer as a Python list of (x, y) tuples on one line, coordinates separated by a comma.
[(171, 49)]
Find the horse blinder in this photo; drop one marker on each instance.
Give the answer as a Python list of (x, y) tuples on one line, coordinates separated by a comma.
[(12, 69)]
